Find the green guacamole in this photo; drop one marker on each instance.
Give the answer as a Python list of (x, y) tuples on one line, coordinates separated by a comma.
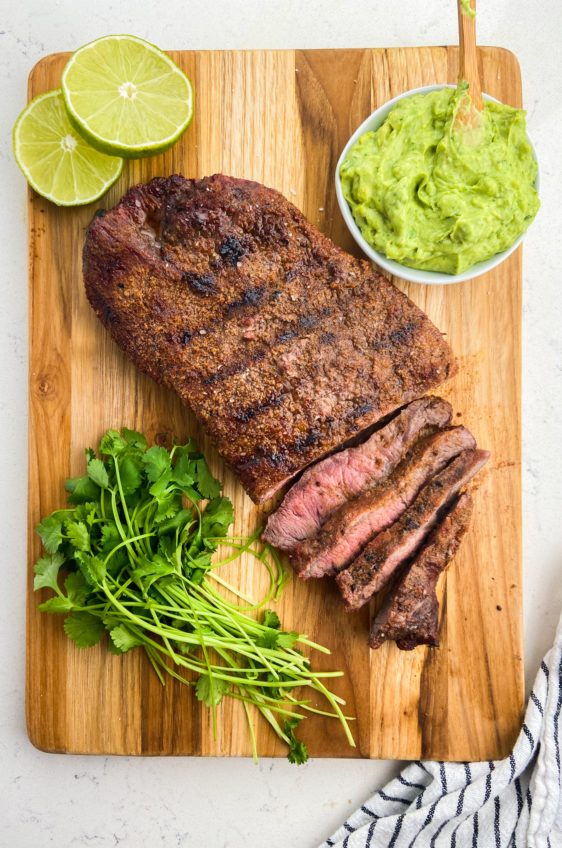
[(433, 199)]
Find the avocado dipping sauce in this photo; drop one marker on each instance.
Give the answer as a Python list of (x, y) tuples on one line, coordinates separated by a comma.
[(429, 198)]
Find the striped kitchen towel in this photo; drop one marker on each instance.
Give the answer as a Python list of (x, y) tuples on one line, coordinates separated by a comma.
[(511, 803)]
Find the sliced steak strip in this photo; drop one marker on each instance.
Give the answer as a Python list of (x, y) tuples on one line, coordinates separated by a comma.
[(333, 481), (283, 345), (410, 613), (374, 567), (342, 538)]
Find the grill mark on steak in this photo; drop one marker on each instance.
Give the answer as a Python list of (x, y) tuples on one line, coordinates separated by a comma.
[(203, 284), (231, 250), (402, 334), (246, 414), (329, 484), (287, 336), (236, 367), (380, 559), (344, 535), (361, 349), (358, 412), (410, 613), (249, 297)]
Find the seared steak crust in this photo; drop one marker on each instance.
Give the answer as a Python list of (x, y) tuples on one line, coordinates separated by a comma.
[(410, 614), (330, 483), (343, 537), (373, 568), (283, 345)]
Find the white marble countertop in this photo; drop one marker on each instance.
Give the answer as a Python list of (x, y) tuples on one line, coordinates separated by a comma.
[(77, 800)]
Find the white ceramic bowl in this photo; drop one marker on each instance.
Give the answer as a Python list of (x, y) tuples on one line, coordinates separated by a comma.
[(414, 275)]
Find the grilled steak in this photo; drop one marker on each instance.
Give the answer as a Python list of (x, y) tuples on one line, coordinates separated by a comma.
[(342, 538), (374, 567), (410, 613), (283, 345), (333, 481)]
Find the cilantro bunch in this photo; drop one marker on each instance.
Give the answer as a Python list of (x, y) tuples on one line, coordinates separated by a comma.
[(136, 544)]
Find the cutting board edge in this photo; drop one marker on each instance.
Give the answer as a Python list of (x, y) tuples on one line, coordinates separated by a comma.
[(66, 54)]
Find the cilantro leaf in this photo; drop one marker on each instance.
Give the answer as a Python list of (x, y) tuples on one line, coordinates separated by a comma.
[(109, 545), (268, 638), (275, 638), (287, 639), (202, 559), (183, 471), (152, 569), (112, 443), (168, 505), (117, 561), (191, 494), (113, 649), (124, 639), (189, 449), (297, 749), (130, 474), (86, 512), (92, 568), (46, 572), (84, 629), (82, 490), (208, 485), (159, 488), (110, 620), (271, 619), (167, 548), (182, 519), (109, 537), (50, 530), (56, 604), (76, 588), (78, 535), (217, 518), (136, 440), (211, 695), (97, 473), (157, 462)]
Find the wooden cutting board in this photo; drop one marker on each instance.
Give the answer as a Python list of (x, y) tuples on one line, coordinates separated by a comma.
[(282, 117)]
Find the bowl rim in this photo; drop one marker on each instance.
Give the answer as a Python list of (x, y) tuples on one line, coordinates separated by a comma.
[(415, 275)]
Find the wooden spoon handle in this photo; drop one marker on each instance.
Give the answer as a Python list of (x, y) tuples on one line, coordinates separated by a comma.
[(468, 66)]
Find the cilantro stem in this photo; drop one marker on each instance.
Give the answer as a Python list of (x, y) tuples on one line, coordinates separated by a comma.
[(251, 730), (240, 549), (116, 516), (125, 544), (140, 565), (209, 671), (102, 504), (163, 630), (155, 663), (165, 639), (122, 496)]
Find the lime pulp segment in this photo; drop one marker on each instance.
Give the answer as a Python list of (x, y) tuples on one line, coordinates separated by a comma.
[(55, 159), (126, 96)]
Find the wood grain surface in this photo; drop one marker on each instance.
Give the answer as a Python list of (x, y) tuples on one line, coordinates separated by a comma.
[(282, 118)]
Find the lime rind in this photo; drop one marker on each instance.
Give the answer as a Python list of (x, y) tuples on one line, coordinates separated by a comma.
[(126, 96), (55, 160)]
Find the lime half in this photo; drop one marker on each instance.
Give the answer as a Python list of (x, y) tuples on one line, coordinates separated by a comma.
[(55, 159), (126, 97)]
